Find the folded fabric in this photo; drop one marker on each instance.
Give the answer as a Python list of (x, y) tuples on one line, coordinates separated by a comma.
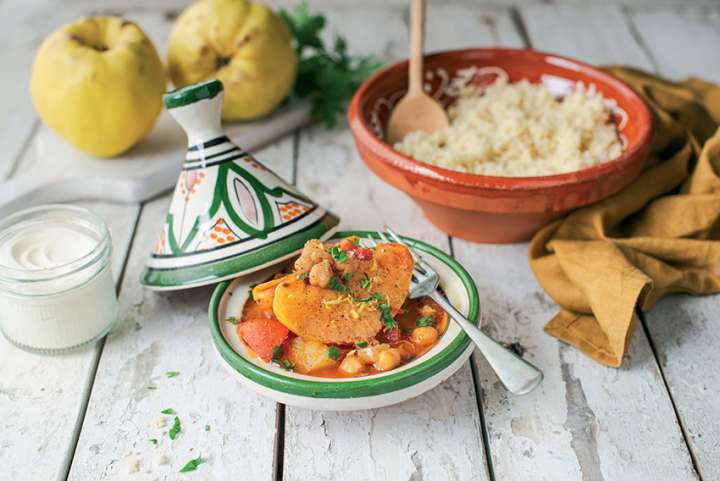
[(657, 236)]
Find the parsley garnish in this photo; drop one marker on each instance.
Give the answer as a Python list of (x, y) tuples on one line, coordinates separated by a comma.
[(288, 365), (372, 297), (302, 276), (361, 344), (233, 320), (426, 321), (172, 373), (207, 427), (364, 283), (277, 353), (334, 353), (192, 465), (168, 411), (338, 254), (152, 387), (328, 77), (386, 316), (175, 429), (354, 241), (153, 441), (347, 276), (336, 285)]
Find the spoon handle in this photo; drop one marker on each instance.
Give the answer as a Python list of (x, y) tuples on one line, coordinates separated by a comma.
[(516, 374), (417, 36)]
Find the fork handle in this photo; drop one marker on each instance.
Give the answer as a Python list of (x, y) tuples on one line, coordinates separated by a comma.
[(515, 373)]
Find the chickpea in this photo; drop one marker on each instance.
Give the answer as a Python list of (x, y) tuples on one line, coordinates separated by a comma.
[(320, 274), (312, 253), (388, 359), (424, 336), (406, 348), (352, 365), (370, 354)]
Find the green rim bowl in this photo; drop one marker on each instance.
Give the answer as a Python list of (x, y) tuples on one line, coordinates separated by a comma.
[(377, 390)]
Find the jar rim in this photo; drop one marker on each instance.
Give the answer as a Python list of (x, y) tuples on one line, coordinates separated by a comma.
[(27, 217)]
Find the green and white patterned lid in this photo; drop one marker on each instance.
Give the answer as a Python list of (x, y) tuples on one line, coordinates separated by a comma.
[(229, 215)]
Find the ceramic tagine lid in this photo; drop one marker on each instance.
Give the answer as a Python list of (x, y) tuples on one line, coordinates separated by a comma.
[(229, 214)]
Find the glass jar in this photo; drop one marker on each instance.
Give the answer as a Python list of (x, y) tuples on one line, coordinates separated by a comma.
[(56, 286)]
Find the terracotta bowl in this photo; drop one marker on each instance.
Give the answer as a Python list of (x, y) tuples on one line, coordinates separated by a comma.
[(486, 208)]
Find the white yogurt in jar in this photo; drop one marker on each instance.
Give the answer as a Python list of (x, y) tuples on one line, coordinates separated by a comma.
[(56, 286)]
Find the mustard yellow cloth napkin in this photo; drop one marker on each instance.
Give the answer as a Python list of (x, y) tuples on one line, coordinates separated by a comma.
[(657, 236)]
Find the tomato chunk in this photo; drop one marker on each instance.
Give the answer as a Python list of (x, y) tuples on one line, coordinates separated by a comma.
[(363, 254), (262, 335)]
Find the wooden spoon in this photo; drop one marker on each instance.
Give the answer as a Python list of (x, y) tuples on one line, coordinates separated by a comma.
[(416, 110)]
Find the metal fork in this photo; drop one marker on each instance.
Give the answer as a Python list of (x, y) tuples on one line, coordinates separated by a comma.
[(516, 374)]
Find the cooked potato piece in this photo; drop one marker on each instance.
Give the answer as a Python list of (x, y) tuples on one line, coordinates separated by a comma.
[(330, 316), (315, 313), (308, 355)]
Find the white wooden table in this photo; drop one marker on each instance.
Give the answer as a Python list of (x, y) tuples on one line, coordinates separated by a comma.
[(85, 415)]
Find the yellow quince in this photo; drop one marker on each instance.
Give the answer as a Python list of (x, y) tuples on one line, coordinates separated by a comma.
[(98, 83), (245, 45)]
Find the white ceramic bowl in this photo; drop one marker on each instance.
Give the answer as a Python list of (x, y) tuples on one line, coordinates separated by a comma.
[(367, 392)]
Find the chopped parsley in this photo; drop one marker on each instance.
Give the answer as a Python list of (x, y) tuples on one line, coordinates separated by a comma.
[(347, 277), (338, 254), (168, 411), (354, 241), (365, 282), (277, 353), (362, 344), (334, 353), (372, 297), (386, 316), (175, 429), (172, 373), (426, 321), (207, 427), (337, 285), (153, 441), (302, 276), (192, 465), (288, 365), (152, 387), (233, 320)]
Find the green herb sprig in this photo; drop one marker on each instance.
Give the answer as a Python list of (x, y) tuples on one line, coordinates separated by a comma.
[(336, 285), (175, 429), (192, 465), (426, 321), (327, 76), (334, 353)]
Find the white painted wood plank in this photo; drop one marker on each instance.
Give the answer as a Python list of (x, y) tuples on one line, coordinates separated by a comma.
[(161, 332), (41, 396), (598, 35), (685, 329), (682, 41), (586, 421), (434, 436), (456, 26), (399, 442)]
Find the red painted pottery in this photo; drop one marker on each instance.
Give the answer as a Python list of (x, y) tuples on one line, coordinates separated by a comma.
[(486, 208)]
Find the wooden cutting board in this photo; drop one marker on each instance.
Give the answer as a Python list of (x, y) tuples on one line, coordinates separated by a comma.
[(149, 169)]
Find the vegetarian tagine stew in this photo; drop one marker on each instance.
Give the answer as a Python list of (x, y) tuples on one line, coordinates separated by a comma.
[(343, 312)]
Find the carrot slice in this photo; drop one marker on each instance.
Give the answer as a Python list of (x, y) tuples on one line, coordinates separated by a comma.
[(262, 335)]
